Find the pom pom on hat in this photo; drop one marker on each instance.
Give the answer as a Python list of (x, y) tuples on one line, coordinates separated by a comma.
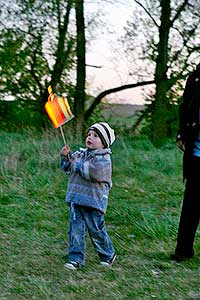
[(105, 132)]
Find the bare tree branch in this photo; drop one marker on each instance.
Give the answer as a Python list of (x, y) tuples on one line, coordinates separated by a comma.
[(93, 66), (148, 13), (178, 12), (98, 99)]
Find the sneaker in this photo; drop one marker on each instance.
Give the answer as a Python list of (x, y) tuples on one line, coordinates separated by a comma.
[(108, 263), (72, 265)]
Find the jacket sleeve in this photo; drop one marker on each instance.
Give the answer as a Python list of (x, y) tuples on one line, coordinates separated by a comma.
[(183, 109), (181, 134), (65, 165)]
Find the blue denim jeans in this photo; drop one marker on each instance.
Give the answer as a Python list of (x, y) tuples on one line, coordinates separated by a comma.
[(84, 218)]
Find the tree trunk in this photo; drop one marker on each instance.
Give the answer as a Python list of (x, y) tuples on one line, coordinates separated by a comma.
[(61, 53), (81, 73), (159, 114)]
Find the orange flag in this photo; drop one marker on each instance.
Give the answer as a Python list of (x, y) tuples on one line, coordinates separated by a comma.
[(58, 110)]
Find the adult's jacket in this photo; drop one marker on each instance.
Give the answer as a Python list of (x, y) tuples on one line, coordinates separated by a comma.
[(189, 119)]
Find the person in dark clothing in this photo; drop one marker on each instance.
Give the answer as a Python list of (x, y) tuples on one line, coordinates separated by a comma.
[(188, 140)]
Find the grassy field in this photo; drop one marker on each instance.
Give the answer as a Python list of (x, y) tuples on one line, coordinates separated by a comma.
[(142, 221)]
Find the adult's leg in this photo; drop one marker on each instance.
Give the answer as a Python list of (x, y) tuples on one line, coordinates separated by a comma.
[(190, 214)]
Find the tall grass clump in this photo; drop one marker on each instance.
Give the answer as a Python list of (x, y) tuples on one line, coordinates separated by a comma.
[(142, 220)]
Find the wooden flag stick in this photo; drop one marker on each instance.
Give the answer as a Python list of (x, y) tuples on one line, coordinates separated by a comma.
[(61, 130)]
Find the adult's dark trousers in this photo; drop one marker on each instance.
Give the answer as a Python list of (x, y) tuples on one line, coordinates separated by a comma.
[(190, 214)]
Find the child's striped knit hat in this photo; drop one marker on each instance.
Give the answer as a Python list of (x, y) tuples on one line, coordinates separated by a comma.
[(105, 132)]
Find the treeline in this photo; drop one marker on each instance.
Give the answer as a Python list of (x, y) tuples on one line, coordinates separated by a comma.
[(45, 43)]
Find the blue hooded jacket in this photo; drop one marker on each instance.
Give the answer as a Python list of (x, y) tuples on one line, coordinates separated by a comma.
[(90, 177)]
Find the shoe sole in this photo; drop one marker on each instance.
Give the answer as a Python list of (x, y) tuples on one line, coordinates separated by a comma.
[(106, 264), (70, 266)]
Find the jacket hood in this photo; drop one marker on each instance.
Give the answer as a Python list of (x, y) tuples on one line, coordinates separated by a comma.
[(102, 151)]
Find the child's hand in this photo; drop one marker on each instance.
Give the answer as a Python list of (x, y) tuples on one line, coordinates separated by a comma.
[(65, 150)]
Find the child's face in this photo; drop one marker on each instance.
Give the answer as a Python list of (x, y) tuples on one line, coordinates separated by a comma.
[(93, 141)]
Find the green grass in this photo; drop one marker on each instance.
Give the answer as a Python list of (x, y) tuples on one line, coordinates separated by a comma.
[(142, 220)]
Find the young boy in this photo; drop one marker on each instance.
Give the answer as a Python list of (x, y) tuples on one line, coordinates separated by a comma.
[(89, 183)]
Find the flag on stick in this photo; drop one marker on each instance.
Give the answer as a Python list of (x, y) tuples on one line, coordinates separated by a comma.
[(58, 110)]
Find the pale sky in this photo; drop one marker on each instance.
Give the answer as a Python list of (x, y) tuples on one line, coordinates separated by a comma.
[(113, 72)]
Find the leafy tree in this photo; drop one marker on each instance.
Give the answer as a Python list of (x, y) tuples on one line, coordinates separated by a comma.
[(164, 43), (44, 43), (37, 49)]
